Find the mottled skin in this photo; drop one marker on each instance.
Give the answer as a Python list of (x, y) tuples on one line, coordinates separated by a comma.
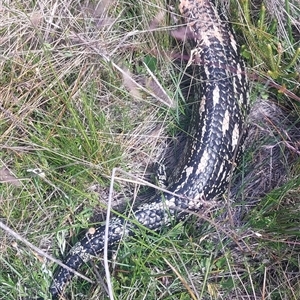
[(214, 146)]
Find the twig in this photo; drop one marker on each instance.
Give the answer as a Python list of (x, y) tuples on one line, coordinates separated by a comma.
[(105, 256), (40, 252)]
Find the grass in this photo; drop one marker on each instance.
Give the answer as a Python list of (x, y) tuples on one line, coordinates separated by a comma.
[(88, 87)]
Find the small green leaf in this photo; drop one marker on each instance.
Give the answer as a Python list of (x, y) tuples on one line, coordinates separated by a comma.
[(151, 62)]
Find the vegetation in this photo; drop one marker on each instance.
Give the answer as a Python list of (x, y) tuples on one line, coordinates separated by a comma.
[(87, 87)]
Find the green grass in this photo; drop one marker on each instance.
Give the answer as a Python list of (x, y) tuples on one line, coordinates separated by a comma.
[(71, 113)]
